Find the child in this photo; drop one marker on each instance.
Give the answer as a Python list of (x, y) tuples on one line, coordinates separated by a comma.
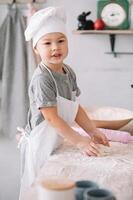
[(52, 93)]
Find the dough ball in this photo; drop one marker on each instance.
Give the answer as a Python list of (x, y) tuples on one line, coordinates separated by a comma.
[(104, 150)]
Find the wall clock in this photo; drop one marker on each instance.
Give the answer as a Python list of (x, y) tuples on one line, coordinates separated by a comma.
[(114, 13)]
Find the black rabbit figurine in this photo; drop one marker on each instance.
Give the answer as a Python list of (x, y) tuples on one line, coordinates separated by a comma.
[(85, 24)]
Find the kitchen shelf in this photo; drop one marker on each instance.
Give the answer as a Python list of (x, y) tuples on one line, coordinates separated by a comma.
[(112, 36), (115, 32)]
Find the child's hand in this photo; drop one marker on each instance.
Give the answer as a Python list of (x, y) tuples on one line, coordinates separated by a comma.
[(100, 138), (88, 147)]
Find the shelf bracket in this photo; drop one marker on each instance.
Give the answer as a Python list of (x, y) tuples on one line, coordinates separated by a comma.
[(112, 44), (112, 38)]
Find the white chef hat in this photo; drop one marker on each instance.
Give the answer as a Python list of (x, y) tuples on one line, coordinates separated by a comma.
[(48, 20)]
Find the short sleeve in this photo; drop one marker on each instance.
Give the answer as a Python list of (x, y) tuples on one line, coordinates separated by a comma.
[(78, 92), (44, 92), (75, 86)]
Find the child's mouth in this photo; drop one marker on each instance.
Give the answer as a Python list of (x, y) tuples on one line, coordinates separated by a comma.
[(58, 55)]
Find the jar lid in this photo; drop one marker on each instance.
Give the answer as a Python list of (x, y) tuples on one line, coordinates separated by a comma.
[(58, 184)]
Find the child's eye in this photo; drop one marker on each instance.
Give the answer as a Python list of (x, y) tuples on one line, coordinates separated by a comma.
[(47, 43), (60, 41)]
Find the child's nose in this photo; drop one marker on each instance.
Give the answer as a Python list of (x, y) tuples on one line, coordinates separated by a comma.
[(55, 46)]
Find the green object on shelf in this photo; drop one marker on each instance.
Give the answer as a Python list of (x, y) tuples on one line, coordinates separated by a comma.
[(114, 13)]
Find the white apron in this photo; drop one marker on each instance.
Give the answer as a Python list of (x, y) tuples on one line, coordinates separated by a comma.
[(43, 140)]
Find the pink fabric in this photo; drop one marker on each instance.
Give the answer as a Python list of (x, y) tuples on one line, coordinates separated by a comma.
[(112, 135)]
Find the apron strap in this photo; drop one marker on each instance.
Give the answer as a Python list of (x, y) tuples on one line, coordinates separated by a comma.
[(51, 76)]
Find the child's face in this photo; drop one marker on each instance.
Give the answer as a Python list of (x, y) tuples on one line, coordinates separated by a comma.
[(52, 48)]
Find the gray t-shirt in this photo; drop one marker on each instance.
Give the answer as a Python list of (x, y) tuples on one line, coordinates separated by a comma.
[(42, 91)]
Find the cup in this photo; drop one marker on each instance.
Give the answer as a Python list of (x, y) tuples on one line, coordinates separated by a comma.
[(56, 189), (98, 194), (81, 186)]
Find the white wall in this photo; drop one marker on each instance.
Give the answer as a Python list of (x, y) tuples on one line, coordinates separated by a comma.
[(103, 79)]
